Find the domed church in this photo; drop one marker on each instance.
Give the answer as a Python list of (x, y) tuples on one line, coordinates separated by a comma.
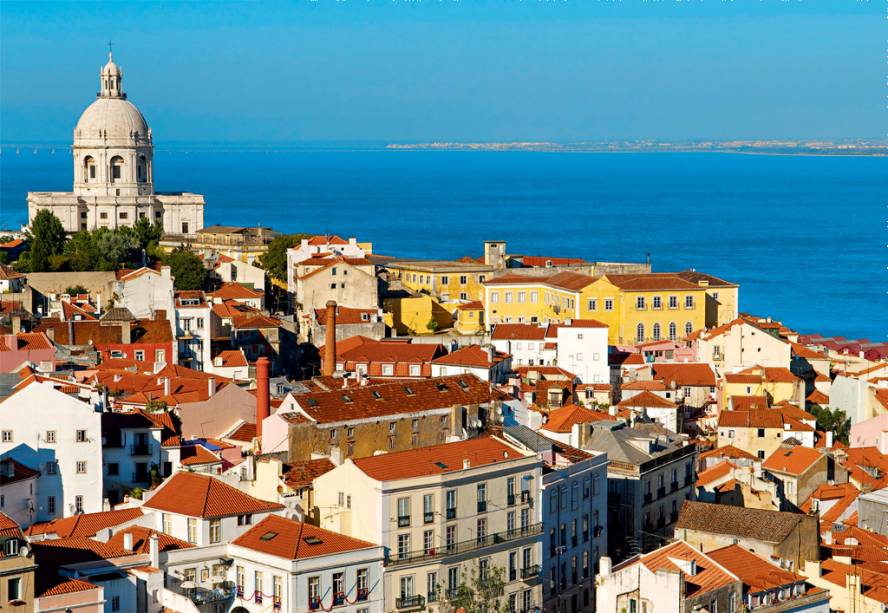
[(113, 171)]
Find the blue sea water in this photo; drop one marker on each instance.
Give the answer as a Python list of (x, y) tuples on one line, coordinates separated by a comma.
[(805, 237)]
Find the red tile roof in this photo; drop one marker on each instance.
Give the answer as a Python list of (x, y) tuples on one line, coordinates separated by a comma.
[(294, 540), (562, 420), (198, 495), (75, 550), (471, 356), (728, 451), (753, 571), (474, 305), (235, 291), (817, 397), (657, 386), (749, 403), (231, 358), (141, 540), (684, 374), (196, 455), (347, 316), (86, 524), (302, 474), (651, 282), (722, 469), (367, 350), (709, 576), (438, 459), (647, 399), (765, 418), (53, 584), (245, 432), (570, 281), (867, 466), (364, 402), (793, 460), (523, 332)]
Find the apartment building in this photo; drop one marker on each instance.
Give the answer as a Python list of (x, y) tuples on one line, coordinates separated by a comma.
[(444, 514), (193, 329)]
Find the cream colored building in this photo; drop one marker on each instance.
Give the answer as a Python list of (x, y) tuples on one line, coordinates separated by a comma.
[(114, 169), (739, 344), (443, 513)]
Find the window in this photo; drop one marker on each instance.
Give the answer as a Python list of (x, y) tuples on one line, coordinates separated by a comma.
[(113, 469), (215, 530), (428, 542), (508, 297), (522, 296), (494, 297), (451, 504), (78, 504), (14, 588), (403, 545), (761, 433), (592, 304), (673, 302), (689, 302), (81, 436), (639, 332), (689, 327), (50, 505), (81, 467), (115, 603), (124, 215), (52, 467), (608, 304), (481, 530), (640, 303), (673, 331), (453, 578), (192, 530), (431, 587), (415, 370), (657, 302), (167, 523), (656, 332), (463, 280), (257, 582), (482, 497), (7, 436), (388, 370), (338, 586), (761, 454), (534, 297), (276, 589), (450, 537), (403, 512), (428, 508), (12, 547), (362, 582), (103, 215), (406, 587)]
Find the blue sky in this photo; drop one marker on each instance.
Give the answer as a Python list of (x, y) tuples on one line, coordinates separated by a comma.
[(399, 71)]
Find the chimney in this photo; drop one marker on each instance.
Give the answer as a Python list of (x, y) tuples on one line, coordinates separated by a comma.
[(166, 386), (262, 393), (330, 342), (211, 386), (154, 550), (829, 439), (128, 541), (70, 331), (126, 333), (16, 324), (604, 566)]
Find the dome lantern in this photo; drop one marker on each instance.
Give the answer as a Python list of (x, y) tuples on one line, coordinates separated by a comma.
[(111, 80)]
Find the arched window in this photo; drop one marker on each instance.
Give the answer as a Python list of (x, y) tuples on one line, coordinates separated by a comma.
[(89, 169), (116, 169), (673, 331), (639, 333), (656, 332), (689, 327)]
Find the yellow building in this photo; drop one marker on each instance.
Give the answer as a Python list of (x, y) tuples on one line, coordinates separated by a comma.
[(416, 314), (778, 384), (522, 298), (644, 307), (447, 281), (469, 318), (722, 297)]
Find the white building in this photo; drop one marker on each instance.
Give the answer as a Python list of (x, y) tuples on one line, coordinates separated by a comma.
[(577, 345), (193, 329), (573, 500), (320, 247), (146, 291), (18, 491), (582, 349), (486, 363), (739, 344), (114, 170), (285, 565), (61, 436), (442, 513)]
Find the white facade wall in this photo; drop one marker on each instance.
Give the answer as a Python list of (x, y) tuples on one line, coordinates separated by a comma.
[(147, 293), (19, 501), (30, 415), (583, 351), (194, 323)]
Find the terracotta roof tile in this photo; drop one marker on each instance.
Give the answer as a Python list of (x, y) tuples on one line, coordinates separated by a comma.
[(563, 419), (141, 540), (722, 469), (793, 460), (759, 524), (647, 399), (438, 459), (301, 474), (198, 495), (684, 374), (709, 577), (471, 356), (753, 571), (245, 432), (86, 524), (347, 316), (294, 540), (523, 332)]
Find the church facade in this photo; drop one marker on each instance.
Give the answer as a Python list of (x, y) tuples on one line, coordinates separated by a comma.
[(114, 169)]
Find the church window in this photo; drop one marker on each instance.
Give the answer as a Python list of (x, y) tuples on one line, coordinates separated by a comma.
[(124, 215), (116, 168), (89, 167), (103, 215)]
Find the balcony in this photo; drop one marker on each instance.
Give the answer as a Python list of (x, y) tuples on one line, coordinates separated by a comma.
[(403, 521), (482, 506), (661, 492), (530, 572), (648, 498), (140, 449), (410, 603), (314, 603), (673, 486), (451, 513), (141, 477), (488, 540), (276, 603), (598, 530), (363, 594), (510, 500), (338, 599), (428, 517), (200, 596)]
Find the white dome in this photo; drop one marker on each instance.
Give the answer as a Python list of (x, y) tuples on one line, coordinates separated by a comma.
[(112, 119)]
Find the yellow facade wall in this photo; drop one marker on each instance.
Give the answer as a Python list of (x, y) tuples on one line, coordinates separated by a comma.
[(412, 315), (528, 303), (455, 285)]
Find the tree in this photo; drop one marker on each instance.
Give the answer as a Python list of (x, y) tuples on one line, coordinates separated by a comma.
[(116, 248), (432, 325), (274, 261), (75, 290), (483, 592), (187, 269), (834, 420), (81, 251), (47, 237)]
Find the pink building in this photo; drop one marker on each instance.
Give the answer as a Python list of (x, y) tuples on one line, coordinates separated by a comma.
[(33, 347)]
